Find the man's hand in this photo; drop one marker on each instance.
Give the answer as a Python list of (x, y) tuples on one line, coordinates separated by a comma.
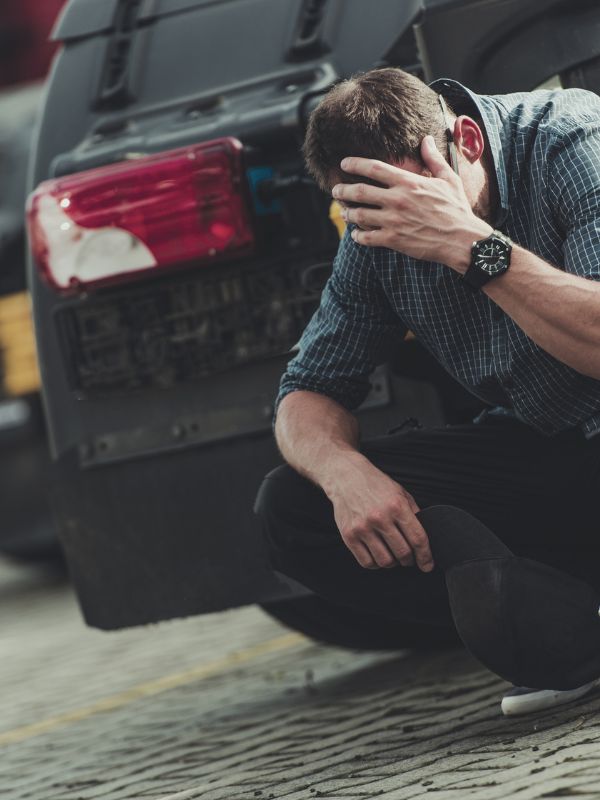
[(376, 518), (425, 217)]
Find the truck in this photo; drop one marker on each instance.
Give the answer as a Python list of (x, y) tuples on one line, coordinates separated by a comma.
[(178, 248)]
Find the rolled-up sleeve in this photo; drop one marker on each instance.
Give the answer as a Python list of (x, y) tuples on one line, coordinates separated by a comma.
[(574, 195), (348, 335)]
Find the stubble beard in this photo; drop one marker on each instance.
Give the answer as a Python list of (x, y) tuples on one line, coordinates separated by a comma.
[(486, 203)]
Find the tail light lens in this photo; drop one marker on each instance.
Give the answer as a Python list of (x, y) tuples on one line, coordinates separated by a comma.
[(139, 217)]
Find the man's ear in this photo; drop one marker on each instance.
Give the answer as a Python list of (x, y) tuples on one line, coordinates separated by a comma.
[(469, 138)]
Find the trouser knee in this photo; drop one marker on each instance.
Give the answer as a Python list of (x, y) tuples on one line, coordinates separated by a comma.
[(285, 494), (275, 498), (294, 513)]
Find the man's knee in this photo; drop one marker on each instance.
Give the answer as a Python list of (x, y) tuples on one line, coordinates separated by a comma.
[(294, 512), (275, 505), (285, 492), (276, 493)]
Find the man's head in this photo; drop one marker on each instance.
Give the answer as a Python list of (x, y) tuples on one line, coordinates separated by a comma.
[(385, 114)]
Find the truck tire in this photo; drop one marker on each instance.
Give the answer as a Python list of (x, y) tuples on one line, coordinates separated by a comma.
[(583, 76), (328, 623)]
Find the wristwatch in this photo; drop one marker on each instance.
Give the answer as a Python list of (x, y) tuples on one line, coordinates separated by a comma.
[(489, 258)]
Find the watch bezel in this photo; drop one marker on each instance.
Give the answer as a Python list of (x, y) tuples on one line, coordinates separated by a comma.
[(477, 275)]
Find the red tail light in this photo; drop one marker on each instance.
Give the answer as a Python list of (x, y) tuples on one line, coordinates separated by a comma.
[(139, 217)]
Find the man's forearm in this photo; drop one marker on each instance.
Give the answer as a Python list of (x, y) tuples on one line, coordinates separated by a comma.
[(431, 219), (560, 312), (317, 437)]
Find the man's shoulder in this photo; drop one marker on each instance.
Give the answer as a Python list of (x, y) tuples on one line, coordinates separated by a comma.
[(552, 113), (565, 110), (545, 111), (569, 133), (544, 126)]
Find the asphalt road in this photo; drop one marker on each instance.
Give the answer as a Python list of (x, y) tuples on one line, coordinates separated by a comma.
[(232, 706)]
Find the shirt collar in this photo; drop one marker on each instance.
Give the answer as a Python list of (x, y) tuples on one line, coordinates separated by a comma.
[(489, 110)]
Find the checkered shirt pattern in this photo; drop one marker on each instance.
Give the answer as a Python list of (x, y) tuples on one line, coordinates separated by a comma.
[(546, 151)]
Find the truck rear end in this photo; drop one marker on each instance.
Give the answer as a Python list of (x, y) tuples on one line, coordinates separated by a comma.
[(178, 249), (170, 287)]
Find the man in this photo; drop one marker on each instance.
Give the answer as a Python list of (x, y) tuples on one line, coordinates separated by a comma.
[(494, 265)]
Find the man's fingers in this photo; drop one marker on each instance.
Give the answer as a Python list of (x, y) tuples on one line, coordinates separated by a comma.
[(380, 551), (363, 556), (415, 535), (434, 160), (372, 168), (371, 238), (364, 217), (398, 546), (360, 193)]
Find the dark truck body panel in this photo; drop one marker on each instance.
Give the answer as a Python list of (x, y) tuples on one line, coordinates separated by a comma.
[(157, 456)]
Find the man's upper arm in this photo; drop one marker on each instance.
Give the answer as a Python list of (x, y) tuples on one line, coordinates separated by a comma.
[(348, 334), (574, 194)]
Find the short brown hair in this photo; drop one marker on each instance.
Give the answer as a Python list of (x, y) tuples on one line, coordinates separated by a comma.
[(382, 114)]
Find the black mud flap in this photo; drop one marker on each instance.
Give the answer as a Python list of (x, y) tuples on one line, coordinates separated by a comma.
[(172, 534)]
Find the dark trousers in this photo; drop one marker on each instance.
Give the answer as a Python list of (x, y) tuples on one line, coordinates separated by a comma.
[(540, 495)]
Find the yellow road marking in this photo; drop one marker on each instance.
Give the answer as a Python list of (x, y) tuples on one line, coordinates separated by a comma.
[(151, 688)]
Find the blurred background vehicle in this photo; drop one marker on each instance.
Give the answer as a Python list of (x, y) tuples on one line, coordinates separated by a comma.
[(25, 46), (26, 528), (179, 249)]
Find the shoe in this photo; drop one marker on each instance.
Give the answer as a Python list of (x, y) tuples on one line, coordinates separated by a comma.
[(521, 700)]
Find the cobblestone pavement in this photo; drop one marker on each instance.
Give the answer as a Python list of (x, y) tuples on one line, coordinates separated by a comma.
[(232, 706)]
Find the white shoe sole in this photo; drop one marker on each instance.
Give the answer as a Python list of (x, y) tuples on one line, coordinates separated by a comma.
[(515, 705)]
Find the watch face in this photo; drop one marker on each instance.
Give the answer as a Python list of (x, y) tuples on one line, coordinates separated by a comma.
[(492, 257)]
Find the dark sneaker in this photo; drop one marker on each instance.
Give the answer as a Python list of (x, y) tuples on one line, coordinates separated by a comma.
[(521, 700)]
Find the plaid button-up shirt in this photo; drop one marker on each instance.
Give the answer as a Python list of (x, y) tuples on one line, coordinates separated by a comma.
[(546, 151)]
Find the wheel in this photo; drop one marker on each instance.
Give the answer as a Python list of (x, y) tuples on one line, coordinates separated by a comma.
[(583, 76), (328, 623)]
